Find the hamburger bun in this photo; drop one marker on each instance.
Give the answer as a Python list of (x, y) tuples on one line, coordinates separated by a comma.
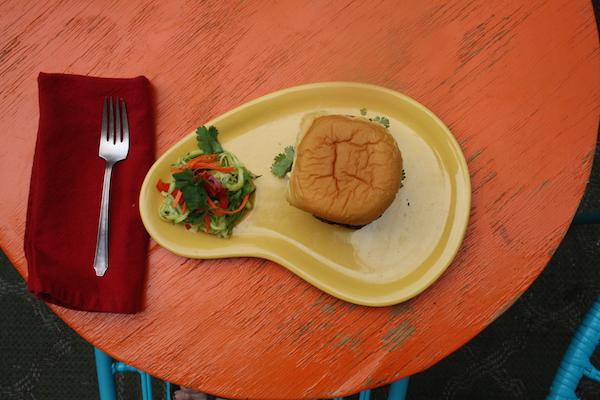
[(346, 170)]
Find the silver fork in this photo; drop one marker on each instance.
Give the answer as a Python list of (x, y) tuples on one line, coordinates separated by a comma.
[(114, 146)]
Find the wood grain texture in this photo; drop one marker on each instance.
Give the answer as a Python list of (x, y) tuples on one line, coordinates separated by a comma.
[(516, 82)]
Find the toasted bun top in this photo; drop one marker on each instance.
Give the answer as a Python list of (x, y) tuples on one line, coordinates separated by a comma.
[(346, 169)]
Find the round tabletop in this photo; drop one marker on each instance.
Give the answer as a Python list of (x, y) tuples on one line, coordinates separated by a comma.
[(516, 83)]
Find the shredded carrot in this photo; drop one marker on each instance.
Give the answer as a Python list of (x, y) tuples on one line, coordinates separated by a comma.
[(218, 211), (199, 166), (207, 222), (203, 162), (207, 156), (178, 197), (183, 208), (208, 162), (210, 203), (214, 167)]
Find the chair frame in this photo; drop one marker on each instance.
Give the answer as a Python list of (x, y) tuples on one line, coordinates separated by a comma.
[(107, 367), (576, 362)]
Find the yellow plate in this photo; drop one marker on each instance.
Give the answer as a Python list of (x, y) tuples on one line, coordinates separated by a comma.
[(384, 263)]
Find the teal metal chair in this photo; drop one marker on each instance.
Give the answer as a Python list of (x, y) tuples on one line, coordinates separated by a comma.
[(576, 363), (107, 368), (397, 391), (587, 218)]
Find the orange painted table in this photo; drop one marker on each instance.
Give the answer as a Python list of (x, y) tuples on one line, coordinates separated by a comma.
[(516, 82)]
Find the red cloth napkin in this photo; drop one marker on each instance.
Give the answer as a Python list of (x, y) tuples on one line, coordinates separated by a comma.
[(66, 188)]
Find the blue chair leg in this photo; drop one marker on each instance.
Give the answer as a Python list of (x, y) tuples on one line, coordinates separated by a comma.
[(398, 389), (587, 218), (168, 387), (106, 367), (106, 380), (146, 386)]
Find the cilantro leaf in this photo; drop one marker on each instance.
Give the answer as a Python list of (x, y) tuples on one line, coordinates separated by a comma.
[(363, 111), (194, 193), (283, 162), (196, 217), (382, 120), (207, 140)]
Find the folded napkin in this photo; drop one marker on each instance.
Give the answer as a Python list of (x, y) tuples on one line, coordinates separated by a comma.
[(65, 192)]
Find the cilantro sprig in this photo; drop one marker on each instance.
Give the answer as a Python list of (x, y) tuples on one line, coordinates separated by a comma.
[(382, 120), (283, 162), (193, 192), (207, 140)]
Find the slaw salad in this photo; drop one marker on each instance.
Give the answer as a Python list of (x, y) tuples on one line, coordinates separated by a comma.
[(210, 188)]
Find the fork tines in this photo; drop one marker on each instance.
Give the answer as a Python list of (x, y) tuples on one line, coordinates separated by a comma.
[(111, 120)]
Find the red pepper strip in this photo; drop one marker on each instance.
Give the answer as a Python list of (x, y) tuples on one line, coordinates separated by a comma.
[(214, 189), (162, 186), (223, 199)]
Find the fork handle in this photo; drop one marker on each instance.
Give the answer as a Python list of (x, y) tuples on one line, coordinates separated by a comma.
[(101, 257)]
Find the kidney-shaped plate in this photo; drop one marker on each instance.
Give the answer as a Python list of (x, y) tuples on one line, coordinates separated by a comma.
[(386, 262)]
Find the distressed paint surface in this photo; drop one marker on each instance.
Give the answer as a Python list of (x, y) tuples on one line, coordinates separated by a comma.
[(516, 82)]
